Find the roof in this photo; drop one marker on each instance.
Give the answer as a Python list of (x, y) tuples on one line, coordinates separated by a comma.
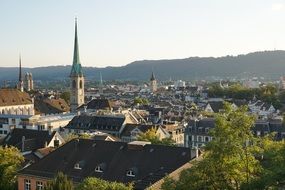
[(150, 163), (152, 78), (217, 106), (10, 97), (76, 69), (51, 106), (98, 104), (33, 139), (97, 122), (142, 127)]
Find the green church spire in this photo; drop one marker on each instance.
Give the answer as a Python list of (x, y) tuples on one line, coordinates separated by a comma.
[(76, 69)]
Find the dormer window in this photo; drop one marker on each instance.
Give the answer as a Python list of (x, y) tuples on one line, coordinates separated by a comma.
[(77, 166), (98, 169), (131, 173)]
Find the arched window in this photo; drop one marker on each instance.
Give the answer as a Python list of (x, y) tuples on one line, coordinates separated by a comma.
[(73, 84), (80, 84)]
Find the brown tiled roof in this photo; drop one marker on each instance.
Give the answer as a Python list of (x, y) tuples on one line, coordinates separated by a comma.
[(10, 97), (51, 106)]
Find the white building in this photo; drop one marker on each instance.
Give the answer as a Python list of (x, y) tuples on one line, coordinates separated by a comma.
[(15, 102)]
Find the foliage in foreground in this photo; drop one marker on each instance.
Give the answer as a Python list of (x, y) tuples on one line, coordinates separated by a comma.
[(90, 183), (10, 162), (62, 182), (235, 159)]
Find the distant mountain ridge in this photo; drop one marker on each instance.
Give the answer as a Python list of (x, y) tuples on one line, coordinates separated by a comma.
[(268, 64)]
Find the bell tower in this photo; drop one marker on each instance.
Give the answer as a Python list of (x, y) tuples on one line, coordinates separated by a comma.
[(76, 78), (153, 83)]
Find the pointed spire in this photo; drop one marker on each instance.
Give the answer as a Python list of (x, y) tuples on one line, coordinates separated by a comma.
[(76, 65), (20, 69), (152, 78)]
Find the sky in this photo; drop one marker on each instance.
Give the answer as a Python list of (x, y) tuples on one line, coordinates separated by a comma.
[(118, 32)]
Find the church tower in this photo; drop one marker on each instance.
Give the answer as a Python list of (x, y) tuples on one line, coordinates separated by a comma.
[(20, 85), (76, 78), (153, 83)]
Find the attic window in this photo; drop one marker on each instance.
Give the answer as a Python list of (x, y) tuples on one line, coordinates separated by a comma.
[(130, 173), (77, 166), (98, 169)]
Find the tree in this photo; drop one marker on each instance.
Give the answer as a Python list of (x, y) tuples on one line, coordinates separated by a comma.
[(92, 183), (142, 101), (229, 161), (273, 163), (60, 182), (151, 136), (10, 162), (66, 96)]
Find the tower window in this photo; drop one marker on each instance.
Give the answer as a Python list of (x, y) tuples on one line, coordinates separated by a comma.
[(80, 84), (73, 84)]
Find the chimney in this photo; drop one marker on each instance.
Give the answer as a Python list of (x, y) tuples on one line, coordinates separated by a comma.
[(23, 144)]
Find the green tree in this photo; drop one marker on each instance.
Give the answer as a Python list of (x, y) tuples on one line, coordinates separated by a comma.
[(229, 161), (273, 163), (142, 101), (92, 183), (60, 182), (10, 162), (151, 136), (66, 96)]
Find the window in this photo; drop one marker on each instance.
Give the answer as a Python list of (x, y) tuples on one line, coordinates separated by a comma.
[(130, 173), (77, 166), (80, 84), (13, 121), (206, 139), (98, 169), (199, 139), (56, 143), (1, 126), (27, 184), (1, 132), (73, 84), (207, 130), (5, 132), (39, 185), (200, 129)]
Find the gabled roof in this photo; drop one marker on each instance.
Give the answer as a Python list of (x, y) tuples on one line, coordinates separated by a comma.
[(97, 122), (33, 139), (98, 104), (51, 106), (9, 97), (150, 163), (216, 106), (142, 127)]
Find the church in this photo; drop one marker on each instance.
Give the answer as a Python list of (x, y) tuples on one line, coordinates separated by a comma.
[(76, 78)]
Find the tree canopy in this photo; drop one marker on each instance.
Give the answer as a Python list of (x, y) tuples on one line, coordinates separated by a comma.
[(10, 162), (92, 183), (60, 182), (151, 136)]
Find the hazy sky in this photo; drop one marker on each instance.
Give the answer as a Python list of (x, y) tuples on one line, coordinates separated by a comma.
[(117, 32)]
